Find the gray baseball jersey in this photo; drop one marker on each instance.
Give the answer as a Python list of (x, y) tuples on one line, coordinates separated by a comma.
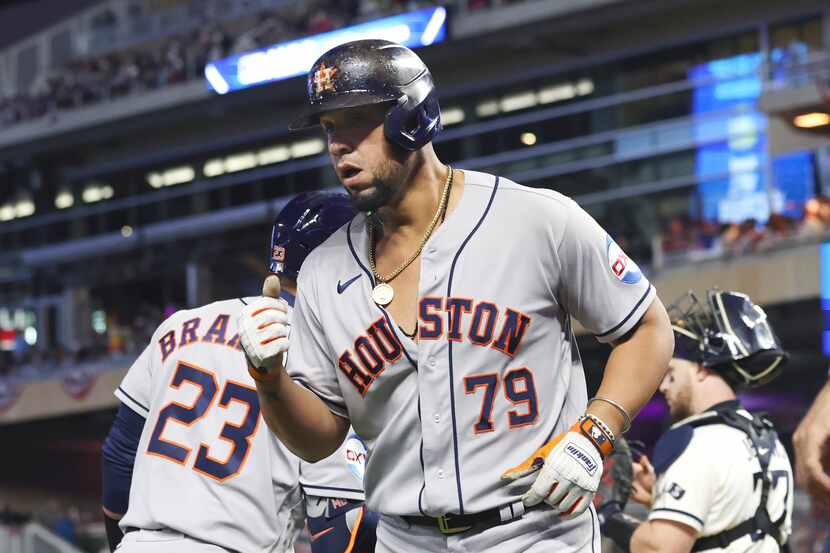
[(205, 465), (495, 372), (714, 485), (340, 475)]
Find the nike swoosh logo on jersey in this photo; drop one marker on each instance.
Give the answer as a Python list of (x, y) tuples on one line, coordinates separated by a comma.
[(320, 534), (342, 287)]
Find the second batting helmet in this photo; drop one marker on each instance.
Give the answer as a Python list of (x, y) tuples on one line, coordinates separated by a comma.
[(731, 335), (303, 224), (365, 72)]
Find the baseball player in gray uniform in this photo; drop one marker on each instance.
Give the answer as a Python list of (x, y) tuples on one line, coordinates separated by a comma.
[(438, 323), (240, 491), (719, 479), (336, 516)]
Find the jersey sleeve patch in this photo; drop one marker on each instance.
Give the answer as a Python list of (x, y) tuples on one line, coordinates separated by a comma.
[(670, 447), (622, 267)]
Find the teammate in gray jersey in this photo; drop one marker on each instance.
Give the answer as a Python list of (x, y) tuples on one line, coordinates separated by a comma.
[(439, 324), (336, 515), (719, 478), (190, 391)]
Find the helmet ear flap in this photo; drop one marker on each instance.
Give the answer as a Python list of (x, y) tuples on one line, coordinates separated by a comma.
[(412, 127)]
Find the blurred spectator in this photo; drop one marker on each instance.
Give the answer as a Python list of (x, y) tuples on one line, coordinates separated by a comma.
[(677, 237), (682, 235), (181, 58), (815, 218)]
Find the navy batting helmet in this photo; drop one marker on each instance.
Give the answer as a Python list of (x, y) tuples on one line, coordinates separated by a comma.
[(303, 224), (731, 335), (365, 72)]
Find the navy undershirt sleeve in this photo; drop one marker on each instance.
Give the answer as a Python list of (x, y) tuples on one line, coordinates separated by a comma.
[(118, 458)]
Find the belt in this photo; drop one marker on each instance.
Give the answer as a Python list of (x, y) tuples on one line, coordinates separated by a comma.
[(455, 523), (129, 529)]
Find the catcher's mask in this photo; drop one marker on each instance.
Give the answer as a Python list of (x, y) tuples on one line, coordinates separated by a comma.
[(730, 335)]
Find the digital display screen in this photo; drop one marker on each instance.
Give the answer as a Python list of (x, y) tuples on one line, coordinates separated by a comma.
[(295, 57)]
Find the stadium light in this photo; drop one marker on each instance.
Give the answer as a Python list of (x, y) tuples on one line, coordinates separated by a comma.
[(178, 175), (487, 108), (240, 162), (528, 138), (275, 154), (6, 212), (304, 148), (155, 180), (91, 194), (452, 116), (812, 120), (25, 206), (213, 168), (64, 199), (519, 100)]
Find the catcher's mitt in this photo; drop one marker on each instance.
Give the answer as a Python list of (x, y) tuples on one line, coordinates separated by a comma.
[(615, 486)]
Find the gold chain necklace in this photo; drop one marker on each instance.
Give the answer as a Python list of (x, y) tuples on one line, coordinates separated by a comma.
[(383, 293)]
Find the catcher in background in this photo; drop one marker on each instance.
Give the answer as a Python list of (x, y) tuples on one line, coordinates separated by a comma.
[(719, 478)]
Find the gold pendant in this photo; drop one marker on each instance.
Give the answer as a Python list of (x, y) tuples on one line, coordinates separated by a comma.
[(383, 294)]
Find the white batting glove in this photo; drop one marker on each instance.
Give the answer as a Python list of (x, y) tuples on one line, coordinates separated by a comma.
[(263, 332), (570, 469)]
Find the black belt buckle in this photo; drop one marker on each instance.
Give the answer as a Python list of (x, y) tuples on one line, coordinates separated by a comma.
[(445, 525)]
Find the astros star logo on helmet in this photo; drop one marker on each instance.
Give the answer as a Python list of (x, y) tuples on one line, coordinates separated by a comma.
[(323, 79), (278, 253)]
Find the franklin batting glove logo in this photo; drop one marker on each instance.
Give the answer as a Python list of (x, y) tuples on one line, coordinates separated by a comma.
[(584, 459)]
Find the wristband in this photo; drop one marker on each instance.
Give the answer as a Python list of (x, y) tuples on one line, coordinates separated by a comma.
[(618, 407), (598, 432), (260, 376)]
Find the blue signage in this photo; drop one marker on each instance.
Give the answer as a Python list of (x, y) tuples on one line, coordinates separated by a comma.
[(731, 172), (290, 59), (795, 182)]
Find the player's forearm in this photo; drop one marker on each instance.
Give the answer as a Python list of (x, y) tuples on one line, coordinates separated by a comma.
[(635, 367), (300, 419)]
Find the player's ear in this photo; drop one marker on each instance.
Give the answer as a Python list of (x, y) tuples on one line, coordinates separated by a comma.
[(271, 287)]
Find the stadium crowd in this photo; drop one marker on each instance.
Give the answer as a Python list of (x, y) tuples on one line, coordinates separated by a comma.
[(684, 235), (181, 58)]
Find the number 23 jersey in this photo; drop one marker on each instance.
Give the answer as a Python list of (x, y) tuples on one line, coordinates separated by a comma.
[(206, 464)]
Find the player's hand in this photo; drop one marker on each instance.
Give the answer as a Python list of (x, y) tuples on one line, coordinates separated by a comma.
[(570, 468), (643, 482), (271, 286), (812, 450), (263, 333)]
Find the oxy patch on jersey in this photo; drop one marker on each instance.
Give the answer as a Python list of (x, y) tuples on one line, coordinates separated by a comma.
[(622, 266), (355, 452)]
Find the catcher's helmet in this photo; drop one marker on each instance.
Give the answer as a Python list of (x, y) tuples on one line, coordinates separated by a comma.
[(731, 335), (365, 72), (303, 224)]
